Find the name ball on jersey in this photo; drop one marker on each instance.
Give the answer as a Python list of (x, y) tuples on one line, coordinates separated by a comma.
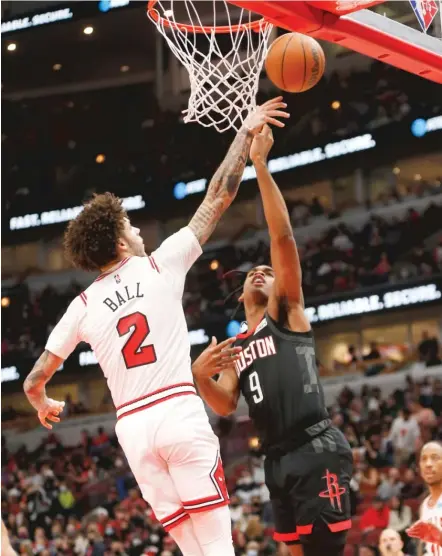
[(295, 62)]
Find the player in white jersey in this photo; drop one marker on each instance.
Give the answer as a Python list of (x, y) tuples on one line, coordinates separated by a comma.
[(132, 317), (429, 527)]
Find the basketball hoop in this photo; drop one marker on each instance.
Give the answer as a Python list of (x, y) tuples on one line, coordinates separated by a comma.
[(223, 60)]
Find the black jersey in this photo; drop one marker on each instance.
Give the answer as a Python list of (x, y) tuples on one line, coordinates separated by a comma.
[(279, 380)]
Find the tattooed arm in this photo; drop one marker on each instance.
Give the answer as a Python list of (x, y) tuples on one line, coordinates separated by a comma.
[(224, 185), (35, 388)]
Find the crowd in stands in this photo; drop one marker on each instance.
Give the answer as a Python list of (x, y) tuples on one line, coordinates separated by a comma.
[(342, 259), (51, 144), (83, 501)]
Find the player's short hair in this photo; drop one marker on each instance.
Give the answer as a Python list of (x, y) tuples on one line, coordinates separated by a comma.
[(90, 240)]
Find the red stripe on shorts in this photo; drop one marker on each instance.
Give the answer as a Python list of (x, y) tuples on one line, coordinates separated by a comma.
[(151, 404), (154, 394), (304, 529), (172, 516), (286, 537), (167, 528), (207, 506), (339, 526)]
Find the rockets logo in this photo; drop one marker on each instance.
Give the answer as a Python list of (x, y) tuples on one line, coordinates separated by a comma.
[(117, 278), (334, 491)]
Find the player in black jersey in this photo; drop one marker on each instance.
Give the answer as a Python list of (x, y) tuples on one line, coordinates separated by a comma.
[(308, 462)]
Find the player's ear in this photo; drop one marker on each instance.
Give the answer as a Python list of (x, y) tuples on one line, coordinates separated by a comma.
[(122, 246), (241, 298)]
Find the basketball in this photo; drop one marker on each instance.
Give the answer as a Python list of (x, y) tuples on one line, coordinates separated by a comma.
[(295, 62)]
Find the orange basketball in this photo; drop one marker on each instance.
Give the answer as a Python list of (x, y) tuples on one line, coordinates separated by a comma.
[(295, 62)]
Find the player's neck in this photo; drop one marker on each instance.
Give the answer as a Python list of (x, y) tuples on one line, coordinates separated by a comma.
[(254, 315), (435, 492), (114, 263)]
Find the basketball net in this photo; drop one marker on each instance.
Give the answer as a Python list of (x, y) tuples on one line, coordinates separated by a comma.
[(224, 74)]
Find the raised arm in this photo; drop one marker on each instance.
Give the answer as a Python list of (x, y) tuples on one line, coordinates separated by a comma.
[(35, 388), (224, 185), (283, 249)]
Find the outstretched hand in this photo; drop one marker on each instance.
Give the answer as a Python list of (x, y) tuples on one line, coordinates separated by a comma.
[(261, 145), (216, 358), (267, 113), (50, 412)]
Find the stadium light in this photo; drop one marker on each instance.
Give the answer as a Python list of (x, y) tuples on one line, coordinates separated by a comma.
[(214, 265), (57, 67), (12, 46), (100, 158), (396, 171), (336, 105), (124, 69), (88, 30), (6, 302)]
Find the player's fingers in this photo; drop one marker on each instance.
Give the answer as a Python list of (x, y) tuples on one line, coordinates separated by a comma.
[(226, 367), (44, 423), (274, 122), (226, 355), (275, 106), (225, 344), (277, 114), (53, 417), (272, 100), (228, 360)]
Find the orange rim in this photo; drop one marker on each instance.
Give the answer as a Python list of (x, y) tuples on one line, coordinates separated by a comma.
[(153, 12)]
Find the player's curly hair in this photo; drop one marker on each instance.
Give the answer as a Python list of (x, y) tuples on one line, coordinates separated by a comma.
[(90, 240)]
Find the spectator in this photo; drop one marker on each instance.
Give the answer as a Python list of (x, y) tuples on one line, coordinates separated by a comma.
[(375, 517), (66, 498), (412, 489), (429, 350), (390, 485), (404, 436), (252, 549), (236, 511), (400, 515), (246, 487), (390, 543), (134, 502)]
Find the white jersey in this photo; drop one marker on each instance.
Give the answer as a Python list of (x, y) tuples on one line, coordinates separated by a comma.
[(433, 514), (132, 316)]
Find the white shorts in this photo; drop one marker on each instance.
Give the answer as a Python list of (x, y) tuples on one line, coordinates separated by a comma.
[(173, 453)]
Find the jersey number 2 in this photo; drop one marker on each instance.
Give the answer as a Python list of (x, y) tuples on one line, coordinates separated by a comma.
[(134, 354)]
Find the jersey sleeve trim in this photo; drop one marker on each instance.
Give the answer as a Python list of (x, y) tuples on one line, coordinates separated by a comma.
[(83, 297), (286, 334), (153, 264)]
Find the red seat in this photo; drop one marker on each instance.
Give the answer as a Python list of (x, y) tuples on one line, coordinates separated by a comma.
[(354, 537)]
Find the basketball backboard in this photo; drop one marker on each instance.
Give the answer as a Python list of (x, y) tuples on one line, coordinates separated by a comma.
[(350, 23)]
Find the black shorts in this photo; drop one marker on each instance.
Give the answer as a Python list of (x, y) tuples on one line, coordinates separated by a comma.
[(310, 491)]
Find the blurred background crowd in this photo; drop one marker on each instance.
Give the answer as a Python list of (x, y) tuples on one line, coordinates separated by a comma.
[(93, 112), (82, 500)]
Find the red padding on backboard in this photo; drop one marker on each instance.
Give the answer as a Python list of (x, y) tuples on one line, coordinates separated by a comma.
[(342, 7), (352, 31)]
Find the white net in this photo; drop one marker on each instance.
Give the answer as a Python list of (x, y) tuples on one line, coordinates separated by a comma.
[(223, 48)]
